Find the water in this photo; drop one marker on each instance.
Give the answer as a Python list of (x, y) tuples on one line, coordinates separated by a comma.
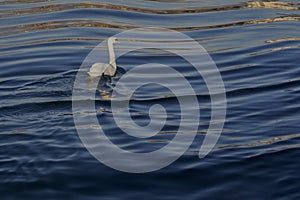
[(256, 47)]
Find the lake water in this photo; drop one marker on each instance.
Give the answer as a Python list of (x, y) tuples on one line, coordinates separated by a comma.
[(256, 47)]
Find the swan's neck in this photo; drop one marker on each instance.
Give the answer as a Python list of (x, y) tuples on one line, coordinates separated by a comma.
[(112, 59)]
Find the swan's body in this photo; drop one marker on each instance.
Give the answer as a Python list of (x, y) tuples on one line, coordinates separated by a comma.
[(108, 69)]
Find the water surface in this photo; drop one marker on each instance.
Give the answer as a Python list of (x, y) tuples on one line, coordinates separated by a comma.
[(256, 46)]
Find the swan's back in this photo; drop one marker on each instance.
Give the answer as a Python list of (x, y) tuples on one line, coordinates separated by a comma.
[(98, 69)]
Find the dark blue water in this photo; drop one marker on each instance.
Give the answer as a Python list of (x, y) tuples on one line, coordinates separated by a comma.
[(256, 47)]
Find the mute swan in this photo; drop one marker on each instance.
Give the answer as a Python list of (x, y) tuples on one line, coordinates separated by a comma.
[(108, 69)]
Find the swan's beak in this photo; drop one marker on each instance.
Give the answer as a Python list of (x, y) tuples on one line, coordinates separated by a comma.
[(116, 41)]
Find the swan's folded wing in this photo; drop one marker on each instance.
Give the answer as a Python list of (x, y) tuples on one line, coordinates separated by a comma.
[(98, 69)]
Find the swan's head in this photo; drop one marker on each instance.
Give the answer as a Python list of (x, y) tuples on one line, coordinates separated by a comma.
[(113, 40)]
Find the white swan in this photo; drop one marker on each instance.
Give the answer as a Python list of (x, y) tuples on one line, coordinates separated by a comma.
[(98, 69)]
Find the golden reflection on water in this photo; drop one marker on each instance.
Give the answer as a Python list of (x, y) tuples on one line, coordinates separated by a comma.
[(23, 2), (73, 6), (261, 142), (52, 25), (283, 39), (80, 23), (195, 9), (274, 49), (273, 5), (259, 21)]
